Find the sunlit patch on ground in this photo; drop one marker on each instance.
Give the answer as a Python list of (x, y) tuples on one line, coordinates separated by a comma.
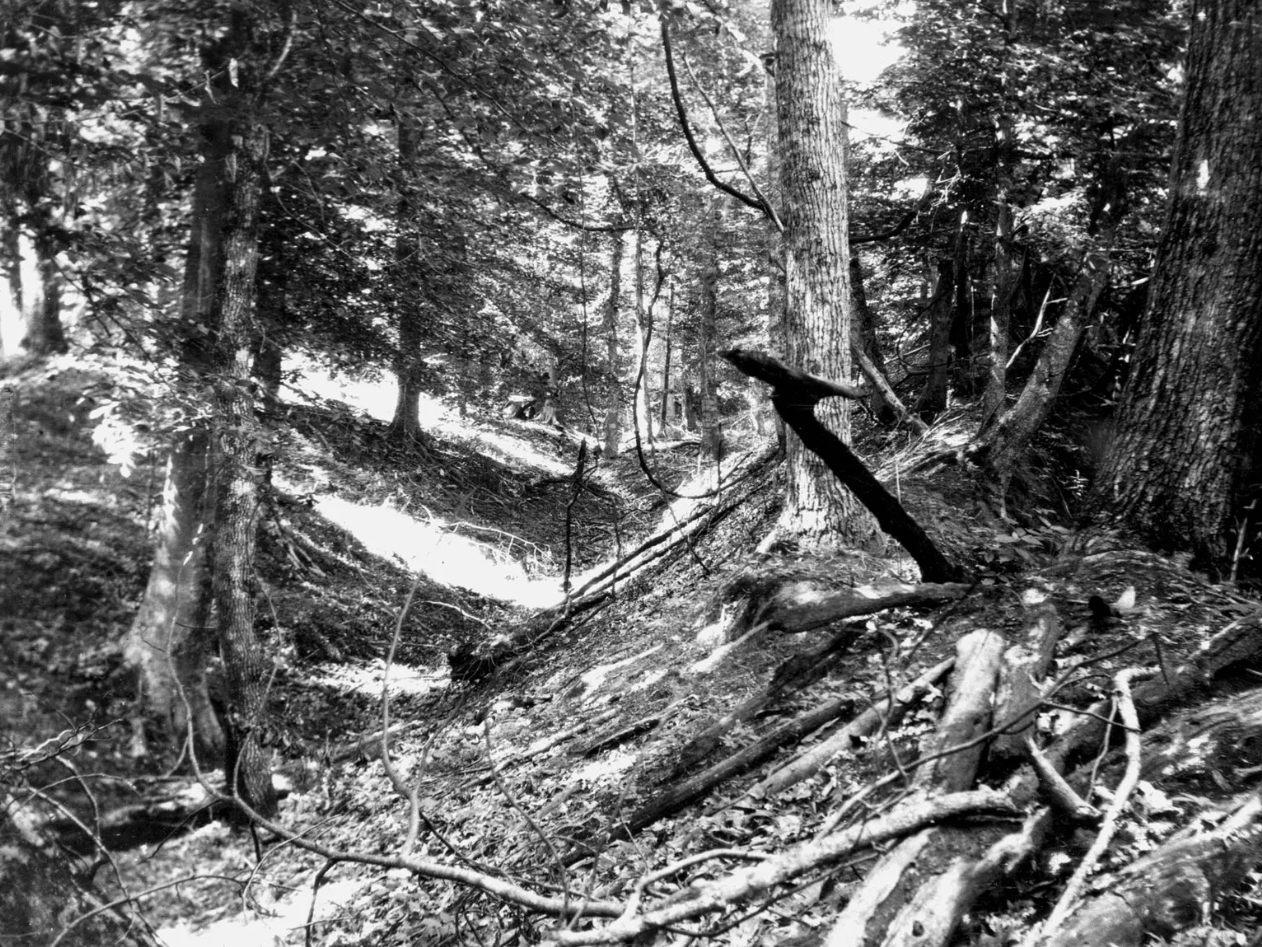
[(366, 678), (431, 548), (275, 922)]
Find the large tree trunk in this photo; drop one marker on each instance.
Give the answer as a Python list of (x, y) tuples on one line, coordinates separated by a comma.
[(1187, 427), (410, 331), (613, 413), (812, 152)]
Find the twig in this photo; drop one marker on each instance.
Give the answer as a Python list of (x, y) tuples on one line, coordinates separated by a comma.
[(1121, 796)]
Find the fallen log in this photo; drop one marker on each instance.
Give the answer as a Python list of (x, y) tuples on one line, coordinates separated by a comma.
[(794, 395), (966, 716), (705, 897), (679, 795), (1167, 890), (1025, 664), (803, 606), (992, 854), (888, 711)]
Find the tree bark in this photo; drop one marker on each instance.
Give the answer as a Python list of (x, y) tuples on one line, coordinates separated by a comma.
[(1000, 313), (933, 395), (1187, 440), (998, 447), (171, 638), (410, 328), (812, 150), (237, 436), (613, 411), (707, 320), (643, 337)]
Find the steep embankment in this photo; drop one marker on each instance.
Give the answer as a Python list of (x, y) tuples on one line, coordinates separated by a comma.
[(675, 717)]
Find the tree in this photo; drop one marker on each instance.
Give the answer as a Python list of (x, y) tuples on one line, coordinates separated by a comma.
[(1187, 428), (811, 120)]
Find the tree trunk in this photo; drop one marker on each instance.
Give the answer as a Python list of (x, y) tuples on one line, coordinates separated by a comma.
[(643, 336), (410, 329), (999, 446), (613, 412), (1000, 313), (812, 134), (1187, 441), (237, 439), (707, 319), (962, 318), (44, 334), (933, 396), (667, 342), (170, 638)]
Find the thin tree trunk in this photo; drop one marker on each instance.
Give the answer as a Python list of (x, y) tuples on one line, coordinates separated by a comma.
[(707, 318), (44, 333), (998, 447), (812, 134), (1187, 445), (410, 330), (667, 343), (1000, 313), (236, 449), (933, 396), (613, 412), (643, 415), (884, 403), (962, 318)]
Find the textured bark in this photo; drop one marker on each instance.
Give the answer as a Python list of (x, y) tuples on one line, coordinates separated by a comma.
[(707, 318), (812, 143), (410, 328), (1188, 424), (1000, 313), (236, 448), (609, 325)]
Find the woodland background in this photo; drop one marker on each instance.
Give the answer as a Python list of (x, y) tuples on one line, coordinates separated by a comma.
[(402, 544)]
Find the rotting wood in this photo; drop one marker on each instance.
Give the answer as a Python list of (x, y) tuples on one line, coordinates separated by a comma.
[(803, 606), (1024, 666), (794, 395), (472, 661)]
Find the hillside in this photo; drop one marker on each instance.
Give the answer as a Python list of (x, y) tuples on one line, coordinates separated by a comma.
[(633, 735)]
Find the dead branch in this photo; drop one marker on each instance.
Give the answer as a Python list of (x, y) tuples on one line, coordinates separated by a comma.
[(1024, 666), (1121, 796), (889, 711), (794, 395), (1167, 890), (802, 606), (708, 896)]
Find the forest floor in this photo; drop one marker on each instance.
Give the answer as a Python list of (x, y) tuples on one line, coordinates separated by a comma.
[(586, 727)]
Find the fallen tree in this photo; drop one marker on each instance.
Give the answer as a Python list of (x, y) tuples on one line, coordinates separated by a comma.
[(794, 394)]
